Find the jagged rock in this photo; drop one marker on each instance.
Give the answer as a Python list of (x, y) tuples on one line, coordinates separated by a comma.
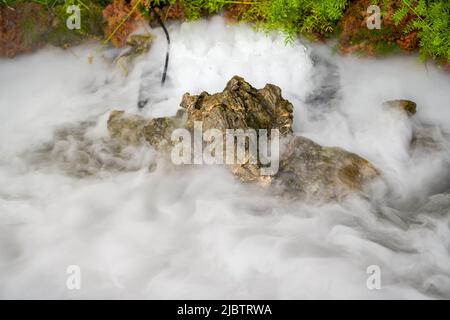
[(240, 106), (306, 169), (158, 131), (409, 106)]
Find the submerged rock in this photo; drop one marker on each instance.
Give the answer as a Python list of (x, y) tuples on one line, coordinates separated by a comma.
[(425, 137), (135, 129), (140, 43), (306, 169), (78, 154), (137, 44), (128, 128)]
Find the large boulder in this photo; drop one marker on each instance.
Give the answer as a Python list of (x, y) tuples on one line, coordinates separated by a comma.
[(311, 170), (306, 169)]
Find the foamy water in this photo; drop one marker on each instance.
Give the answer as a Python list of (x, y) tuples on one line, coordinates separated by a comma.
[(68, 197)]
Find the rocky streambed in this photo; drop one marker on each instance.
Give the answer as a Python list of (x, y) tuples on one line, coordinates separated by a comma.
[(303, 169), (88, 179)]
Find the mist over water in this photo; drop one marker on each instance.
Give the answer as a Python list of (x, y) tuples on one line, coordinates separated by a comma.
[(137, 229)]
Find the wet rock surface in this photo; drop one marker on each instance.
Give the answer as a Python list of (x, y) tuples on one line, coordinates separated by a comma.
[(76, 153), (137, 44), (135, 129), (306, 169), (240, 106), (322, 172), (408, 106), (425, 137)]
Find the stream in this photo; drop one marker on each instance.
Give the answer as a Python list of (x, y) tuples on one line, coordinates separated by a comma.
[(140, 230)]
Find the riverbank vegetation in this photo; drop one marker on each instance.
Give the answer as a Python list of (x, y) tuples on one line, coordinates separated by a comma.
[(406, 25)]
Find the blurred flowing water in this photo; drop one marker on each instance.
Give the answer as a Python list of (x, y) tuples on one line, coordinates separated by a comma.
[(69, 197)]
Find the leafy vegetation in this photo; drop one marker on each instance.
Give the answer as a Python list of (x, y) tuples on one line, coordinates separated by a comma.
[(308, 17), (47, 3), (53, 3), (194, 9), (406, 23), (432, 21)]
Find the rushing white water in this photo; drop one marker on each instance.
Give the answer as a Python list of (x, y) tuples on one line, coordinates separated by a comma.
[(68, 198)]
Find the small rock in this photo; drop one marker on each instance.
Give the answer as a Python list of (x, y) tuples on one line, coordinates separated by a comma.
[(137, 44), (407, 105), (140, 43)]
